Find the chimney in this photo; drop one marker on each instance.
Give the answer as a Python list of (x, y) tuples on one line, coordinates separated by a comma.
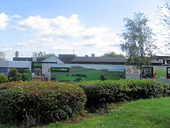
[(16, 54), (92, 55)]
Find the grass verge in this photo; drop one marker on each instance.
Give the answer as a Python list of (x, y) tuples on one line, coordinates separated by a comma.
[(152, 113)]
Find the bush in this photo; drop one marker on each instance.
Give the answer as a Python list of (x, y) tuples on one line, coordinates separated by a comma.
[(39, 102), (3, 78), (14, 75), (18, 77), (100, 93), (27, 76)]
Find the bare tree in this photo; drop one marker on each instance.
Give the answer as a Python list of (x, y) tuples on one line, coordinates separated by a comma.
[(38, 54), (2, 55), (165, 20)]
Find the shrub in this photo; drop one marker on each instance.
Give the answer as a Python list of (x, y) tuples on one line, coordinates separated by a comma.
[(27, 76), (39, 102), (14, 75), (18, 77), (100, 93), (3, 78)]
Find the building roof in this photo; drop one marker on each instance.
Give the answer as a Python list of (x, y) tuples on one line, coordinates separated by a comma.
[(22, 58), (52, 59), (99, 59), (162, 57), (46, 59), (156, 62), (66, 58)]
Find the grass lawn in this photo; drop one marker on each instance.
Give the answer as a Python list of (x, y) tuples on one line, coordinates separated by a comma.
[(152, 113)]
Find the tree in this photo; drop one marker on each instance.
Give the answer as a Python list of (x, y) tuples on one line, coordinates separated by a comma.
[(2, 55), (14, 75), (41, 54), (3, 78), (27, 75), (138, 42), (113, 54), (165, 20), (38, 54)]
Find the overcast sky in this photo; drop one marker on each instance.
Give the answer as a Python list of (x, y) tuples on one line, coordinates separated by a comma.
[(70, 26)]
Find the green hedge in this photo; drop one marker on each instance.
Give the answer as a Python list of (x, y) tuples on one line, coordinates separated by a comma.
[(39, 102), (100, 93)]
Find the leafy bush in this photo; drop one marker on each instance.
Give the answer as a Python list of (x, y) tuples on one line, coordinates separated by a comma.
[(18, 77), (39, 102), (3, 78), (27, 76), (100, 93), (14, 75)]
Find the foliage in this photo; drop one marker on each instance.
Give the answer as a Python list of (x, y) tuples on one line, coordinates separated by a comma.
[(27, 75), (151, 113), (100, 93), (3, 78), (18, 77), (14, 75), (113, 54), (138, 42), (39, 102)]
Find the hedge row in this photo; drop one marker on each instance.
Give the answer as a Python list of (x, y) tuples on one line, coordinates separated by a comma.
[(44, 102), (39, 102), (100, 93)]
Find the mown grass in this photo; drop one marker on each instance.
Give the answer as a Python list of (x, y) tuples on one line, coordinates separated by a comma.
[(152, 113)]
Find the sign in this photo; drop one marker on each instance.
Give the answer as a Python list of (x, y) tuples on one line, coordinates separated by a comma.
[(59, 69), (37, 64), (132, 70), (77, 73)]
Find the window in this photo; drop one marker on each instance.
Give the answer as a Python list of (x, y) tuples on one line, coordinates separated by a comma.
[(168, 72), (147, 72), (4, 71)]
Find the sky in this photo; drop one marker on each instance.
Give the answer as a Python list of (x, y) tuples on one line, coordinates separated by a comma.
[(81, 27)]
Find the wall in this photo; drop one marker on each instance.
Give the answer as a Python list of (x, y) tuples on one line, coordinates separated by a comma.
[(132, 72), (78, 72)]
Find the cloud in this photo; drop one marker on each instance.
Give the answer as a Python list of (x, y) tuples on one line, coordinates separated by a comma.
[(55, 26), (16, 16), (67, 33), (161, 38), (3, 21)]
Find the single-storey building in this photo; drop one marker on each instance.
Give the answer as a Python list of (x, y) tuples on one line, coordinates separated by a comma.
[(5, 66), (68, 67)]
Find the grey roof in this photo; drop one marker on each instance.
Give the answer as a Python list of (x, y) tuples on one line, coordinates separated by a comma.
[(52, 59), (162, 57), (46, 59), (156, 62), (22, 58), (66, 58), (100, 59)]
